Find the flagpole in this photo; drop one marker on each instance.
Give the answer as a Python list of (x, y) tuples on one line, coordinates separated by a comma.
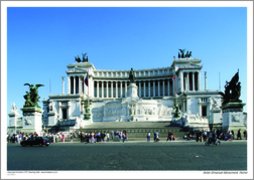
[(88, 81)]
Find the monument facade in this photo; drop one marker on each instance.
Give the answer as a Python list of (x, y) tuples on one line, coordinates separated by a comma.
[(169, 94)]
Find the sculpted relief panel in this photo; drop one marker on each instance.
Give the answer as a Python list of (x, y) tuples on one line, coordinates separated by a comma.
[(115, 111)]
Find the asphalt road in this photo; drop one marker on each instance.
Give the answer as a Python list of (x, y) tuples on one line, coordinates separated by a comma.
[(129, 156)]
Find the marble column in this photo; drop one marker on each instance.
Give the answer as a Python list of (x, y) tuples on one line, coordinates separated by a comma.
[(159, 88), (144, 89), (205, 81), (102, 89), (181, 80), (125, 88), (173, 85), (112, 95), (168, 87), (97, 89), (193, 82), (74, 85), (121, 89), (91, 88), (153, 88), (116, 89), (69, 84), (188, 82), (107, 89), (163, 86), (149, 89), (60, 110), (186, 88), (139, 89), (199, 81), (63, 85), (80, 85), (84, 86)]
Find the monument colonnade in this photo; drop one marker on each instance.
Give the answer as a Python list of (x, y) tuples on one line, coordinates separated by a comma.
[(117, 88)]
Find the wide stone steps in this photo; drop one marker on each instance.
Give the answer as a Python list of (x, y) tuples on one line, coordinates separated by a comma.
[(138, 130)]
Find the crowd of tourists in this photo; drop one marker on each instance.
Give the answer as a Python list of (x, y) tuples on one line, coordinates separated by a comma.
[(202, 136), (94, 136), (53, 137), (121, 136)]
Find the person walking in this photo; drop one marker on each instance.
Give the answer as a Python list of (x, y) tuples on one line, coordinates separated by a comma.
[(169, 136), (17, 138), (233, 134), (20, 137), (204, 135), (112, 134), (8, 138), (157, 136), (63, 136), (148, 136), (197, 136), (92, 137), (239, 134), (108, 136), (245, 134), (71, 137), (54, 138), (123, 136), (126, 137), (120, 136)]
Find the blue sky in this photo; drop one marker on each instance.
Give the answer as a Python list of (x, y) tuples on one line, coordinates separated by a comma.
[(42, 41)]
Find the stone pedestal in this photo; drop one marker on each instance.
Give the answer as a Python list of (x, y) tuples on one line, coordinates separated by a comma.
[(215, 121), (32, 120), (132, 91), (233, 118), (13, 119)]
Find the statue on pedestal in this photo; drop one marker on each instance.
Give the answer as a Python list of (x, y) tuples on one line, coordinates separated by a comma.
[(14, 108), (132, 76), (32, 97), (232, 90), (176, 110)]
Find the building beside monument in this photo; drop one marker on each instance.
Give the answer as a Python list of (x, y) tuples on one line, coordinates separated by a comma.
[(97, 95)]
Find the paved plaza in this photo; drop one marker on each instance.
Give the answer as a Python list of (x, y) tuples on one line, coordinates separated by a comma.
[(169, 156)]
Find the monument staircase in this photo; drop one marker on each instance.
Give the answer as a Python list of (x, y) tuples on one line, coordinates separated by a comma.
[(138, 130)]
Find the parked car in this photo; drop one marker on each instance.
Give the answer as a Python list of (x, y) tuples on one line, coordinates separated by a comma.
[(36, 141)]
